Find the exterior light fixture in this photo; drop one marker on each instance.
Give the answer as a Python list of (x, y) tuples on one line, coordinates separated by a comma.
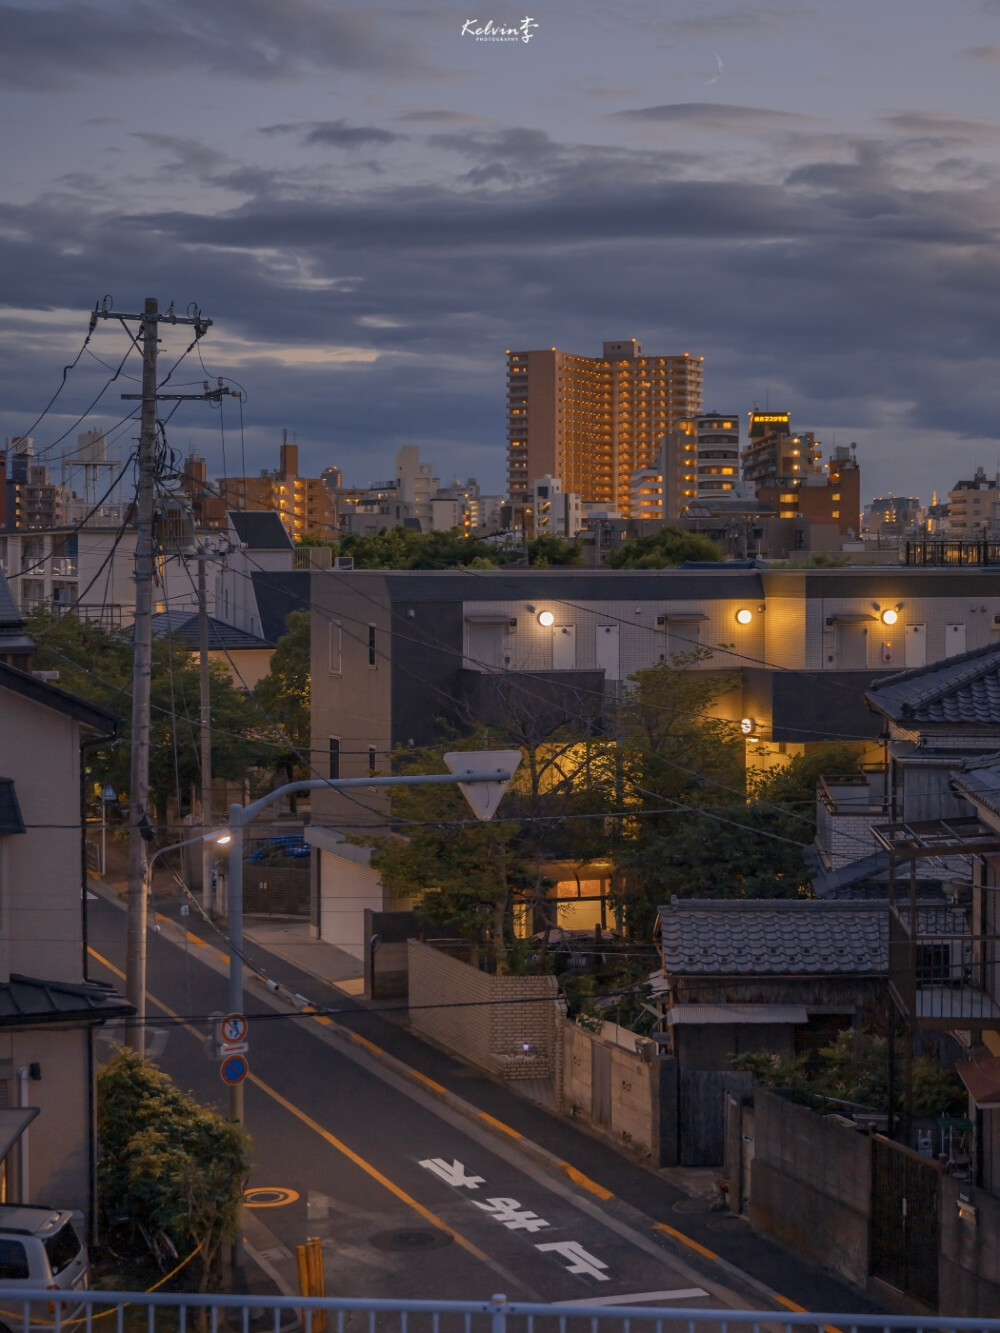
[(744, 616), (889, 616), (747, 725), (546, 618)]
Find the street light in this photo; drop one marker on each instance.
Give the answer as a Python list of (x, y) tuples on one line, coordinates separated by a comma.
[(481, 775), (135, 966)]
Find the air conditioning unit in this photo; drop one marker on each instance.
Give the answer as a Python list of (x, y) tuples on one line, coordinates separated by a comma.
[(343, 562)]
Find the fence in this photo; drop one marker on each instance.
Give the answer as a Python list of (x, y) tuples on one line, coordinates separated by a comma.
[(171, 1313)]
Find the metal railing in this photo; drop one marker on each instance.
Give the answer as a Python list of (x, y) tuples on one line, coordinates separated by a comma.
[(103, 1310)]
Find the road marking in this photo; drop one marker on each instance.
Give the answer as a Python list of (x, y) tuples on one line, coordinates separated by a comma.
[(801, 1309), (324, 1134), (351, 985), (686, 1240), (499, 1124), (195, 939), (641, 1297), (585, 1182), (268, 1196)]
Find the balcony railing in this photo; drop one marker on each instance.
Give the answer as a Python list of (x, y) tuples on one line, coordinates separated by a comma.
[(943, 979), (168, 1312)]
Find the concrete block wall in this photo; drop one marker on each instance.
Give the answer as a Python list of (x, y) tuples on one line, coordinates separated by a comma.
[(505, 1025), (634, 1083), (811, 1185), (969, 1264)]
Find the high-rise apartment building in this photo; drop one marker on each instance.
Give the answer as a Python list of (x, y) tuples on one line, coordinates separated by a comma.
[(593, 421)]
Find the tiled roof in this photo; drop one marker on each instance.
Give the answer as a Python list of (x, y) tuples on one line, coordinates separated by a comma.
[(737, 937), (965, 688), (28, 1000), (183, 625), (261, 531), (981, 785)]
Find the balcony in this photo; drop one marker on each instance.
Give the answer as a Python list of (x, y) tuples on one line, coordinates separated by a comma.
[(944, 967)]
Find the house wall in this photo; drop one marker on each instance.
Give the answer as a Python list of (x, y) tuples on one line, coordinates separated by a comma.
[(58, 1149), (969, 1265), (811, 1185), (42, 902), (488, 1020), (634, 1104), (347, 888)]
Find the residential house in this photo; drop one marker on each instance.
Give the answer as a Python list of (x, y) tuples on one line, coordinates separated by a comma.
[(783, 976), (49, 1006)]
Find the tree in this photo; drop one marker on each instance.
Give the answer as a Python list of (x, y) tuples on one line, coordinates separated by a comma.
[(167, 1161), (669, 546), (404, 548), (283, 695), (96, 665)]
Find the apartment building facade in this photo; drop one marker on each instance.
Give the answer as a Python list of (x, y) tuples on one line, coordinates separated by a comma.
[(593, 421), (304, 504)]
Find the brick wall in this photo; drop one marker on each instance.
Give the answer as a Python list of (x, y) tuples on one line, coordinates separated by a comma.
[(505, 1025)]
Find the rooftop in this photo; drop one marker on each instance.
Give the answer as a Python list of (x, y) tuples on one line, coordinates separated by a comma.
[(964, 689)]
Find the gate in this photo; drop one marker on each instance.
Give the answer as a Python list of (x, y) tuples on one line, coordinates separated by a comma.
[(600, 1097), (905, 1220), (703, 1113)]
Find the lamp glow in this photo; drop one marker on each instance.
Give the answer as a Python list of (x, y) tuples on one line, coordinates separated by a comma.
[(744, 616), (546, 618), (747, 725), (889, 616)]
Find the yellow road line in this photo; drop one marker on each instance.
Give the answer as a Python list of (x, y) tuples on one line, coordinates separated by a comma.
[(499, 1124), (324, 1134), (352, 985), (686, 1240), (585, 1182), (195, 939)]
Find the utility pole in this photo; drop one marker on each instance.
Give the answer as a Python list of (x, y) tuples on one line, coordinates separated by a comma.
[(207, 853), (140, 825)]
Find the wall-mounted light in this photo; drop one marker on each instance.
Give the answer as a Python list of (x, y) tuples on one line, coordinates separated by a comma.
[(744, 615), (747, 725), (546, 618), (889, 616)]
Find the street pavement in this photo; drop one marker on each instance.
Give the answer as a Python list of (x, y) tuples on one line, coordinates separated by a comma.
[(424, 1179)]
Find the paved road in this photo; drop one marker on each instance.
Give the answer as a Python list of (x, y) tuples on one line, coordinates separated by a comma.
[(413, 1199)]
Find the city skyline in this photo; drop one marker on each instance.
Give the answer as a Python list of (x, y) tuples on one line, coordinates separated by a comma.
[(371, 216)]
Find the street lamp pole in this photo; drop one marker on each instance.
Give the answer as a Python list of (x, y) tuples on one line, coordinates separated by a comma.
[(470, 769)]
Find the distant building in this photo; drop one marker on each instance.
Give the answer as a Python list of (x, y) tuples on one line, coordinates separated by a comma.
[(29, 498), (890, 516), (553, 511), (593, 421), (304, 505), (786, 471), (208, 507), (973, 506)]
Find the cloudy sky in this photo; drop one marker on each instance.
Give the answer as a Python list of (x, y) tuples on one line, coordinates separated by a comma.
[(372, 206)]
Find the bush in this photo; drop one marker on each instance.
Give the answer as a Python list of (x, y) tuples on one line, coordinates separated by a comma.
[(167, 1161)]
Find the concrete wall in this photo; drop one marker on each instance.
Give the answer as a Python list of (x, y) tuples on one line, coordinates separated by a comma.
[(347, 887), (811, 1184), (969, 1266), (635, 1103), (490, 1021)]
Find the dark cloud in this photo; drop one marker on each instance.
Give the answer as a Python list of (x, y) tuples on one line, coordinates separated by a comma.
[(336, 133), (440, 117), (713, 116), (50, 48)]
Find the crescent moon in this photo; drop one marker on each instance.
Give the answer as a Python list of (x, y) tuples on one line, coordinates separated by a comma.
[(719, 72)]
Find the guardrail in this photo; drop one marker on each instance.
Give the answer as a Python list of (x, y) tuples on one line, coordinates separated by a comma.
[(105, 1310)]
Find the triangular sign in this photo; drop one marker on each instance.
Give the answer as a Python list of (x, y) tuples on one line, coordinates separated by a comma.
[(484, 796)]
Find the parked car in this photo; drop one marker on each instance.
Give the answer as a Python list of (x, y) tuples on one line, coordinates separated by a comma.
[(288, 847), (40, 1248)]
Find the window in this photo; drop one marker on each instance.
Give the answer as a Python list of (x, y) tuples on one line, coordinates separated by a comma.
[(371, 759), (336, 648), (334, 757), (13, 1262), (371, 646)]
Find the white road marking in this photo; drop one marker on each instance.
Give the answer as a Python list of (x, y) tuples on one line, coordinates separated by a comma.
[(453, 1174), (641, 1297)]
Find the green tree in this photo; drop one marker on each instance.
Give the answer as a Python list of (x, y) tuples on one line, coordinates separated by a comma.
[(670, 546), (167, 1161), (547, 550), (96, 665), (283, 695)]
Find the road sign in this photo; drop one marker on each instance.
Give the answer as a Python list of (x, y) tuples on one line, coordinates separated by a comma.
[(109, 794), (233, 1029), (234, 1069), (484, 797)]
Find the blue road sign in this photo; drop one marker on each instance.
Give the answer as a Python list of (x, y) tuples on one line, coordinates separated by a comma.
[(109, 794), (234, 1069)]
